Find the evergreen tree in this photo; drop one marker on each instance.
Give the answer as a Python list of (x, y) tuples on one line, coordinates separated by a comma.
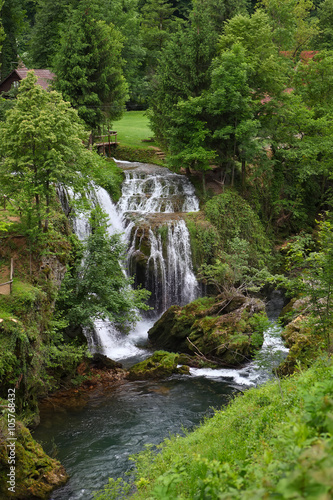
[(45, 37), (219, 11), (183, 72), (12, 18), (324, 39), (2, 31), (125, 16), (89, 66), (156, 26)]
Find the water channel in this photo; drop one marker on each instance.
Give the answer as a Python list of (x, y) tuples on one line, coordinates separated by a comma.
[(94, 441)]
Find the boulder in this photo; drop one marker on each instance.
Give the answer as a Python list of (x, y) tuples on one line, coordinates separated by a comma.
[(35, 474), (161, 364), (102, 362), (226, 330)]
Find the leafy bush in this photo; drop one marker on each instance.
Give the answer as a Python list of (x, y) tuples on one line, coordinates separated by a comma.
[(234, 218)]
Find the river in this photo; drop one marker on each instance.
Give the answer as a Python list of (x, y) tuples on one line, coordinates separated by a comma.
[(95, 442)]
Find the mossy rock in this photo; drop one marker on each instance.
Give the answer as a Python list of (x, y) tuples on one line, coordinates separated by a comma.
[(303, 344), (36, 474), (161, 364), (221, 330), (293, 309)]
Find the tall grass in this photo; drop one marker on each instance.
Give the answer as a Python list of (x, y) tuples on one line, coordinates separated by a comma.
[(265, 444)]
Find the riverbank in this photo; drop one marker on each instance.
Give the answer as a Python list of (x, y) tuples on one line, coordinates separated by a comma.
[(272, 440)]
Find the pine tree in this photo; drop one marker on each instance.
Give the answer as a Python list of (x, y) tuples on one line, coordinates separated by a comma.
[(89, 67)]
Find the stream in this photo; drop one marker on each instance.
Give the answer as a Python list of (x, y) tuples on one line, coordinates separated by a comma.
[(94, 442)]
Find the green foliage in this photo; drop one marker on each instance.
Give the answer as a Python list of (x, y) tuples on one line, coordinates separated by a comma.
[(107, 174), (183, 72), (2, 32), (313, 261), (114, 490), (88, 66), (41, 144), (12, 21), (263, 444), (266, 70), (324, 39), (157, 20), (293, 26), (45, 36), (205, 240), (234, 218), (97, 287)]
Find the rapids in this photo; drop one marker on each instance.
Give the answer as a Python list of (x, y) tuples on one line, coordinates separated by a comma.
[(95, 442)]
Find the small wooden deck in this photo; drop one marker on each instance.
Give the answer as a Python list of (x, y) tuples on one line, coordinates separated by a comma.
[(105, 141)]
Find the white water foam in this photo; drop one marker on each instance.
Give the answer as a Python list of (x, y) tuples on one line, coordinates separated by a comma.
[(271, 354)]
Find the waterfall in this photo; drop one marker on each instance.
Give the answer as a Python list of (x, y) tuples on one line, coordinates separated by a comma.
[(149, 217), (153, 202)]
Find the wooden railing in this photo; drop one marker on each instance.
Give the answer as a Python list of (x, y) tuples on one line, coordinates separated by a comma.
[(6, 288)]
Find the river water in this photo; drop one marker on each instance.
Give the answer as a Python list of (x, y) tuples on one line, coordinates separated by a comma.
[(94, 442)]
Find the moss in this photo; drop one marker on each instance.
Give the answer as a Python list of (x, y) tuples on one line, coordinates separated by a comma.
[(205, 240), (304, 344), (143, 155), (108, 175), (232, 217), (36, 474), (161, 364), (226, 332)]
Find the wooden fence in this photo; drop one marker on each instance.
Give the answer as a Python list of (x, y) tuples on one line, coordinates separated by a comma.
[(6, 288)]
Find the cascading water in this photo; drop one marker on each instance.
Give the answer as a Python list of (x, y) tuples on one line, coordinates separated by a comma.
[(153, 203), (95, 443), (149, 193)]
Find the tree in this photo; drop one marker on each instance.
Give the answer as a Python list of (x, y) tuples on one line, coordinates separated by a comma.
[(230, 112), (157, 19), (98, 288), (89, 66), (217, 125), (313, 81), (125, 16), (324, 39), (12, 19), (183, 72), (267, 71), (2, 31), (45, 36), (41, 144), (219, 11), (293, 26)]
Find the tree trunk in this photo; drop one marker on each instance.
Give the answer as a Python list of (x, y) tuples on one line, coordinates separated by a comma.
[(204, 182), (243, 175)]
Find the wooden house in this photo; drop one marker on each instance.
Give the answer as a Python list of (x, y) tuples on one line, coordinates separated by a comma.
[(44, 76)]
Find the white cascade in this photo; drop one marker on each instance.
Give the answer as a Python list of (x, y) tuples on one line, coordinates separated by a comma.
[(154, 199)]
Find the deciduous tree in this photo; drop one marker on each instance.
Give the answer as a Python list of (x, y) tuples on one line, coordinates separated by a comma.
[(41, 145)]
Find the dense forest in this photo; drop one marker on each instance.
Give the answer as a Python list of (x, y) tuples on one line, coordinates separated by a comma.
[(239, 95)]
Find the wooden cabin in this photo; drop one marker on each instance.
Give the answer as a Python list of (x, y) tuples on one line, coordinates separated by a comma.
[(44, 76)]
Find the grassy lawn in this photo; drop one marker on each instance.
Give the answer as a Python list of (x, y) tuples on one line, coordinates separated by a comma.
[(132, 129)]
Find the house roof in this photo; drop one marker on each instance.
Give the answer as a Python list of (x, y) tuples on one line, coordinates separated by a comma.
[(44, 76)]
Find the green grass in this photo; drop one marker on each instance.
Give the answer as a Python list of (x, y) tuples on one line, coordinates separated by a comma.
[(272, 442), (132, 129)]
